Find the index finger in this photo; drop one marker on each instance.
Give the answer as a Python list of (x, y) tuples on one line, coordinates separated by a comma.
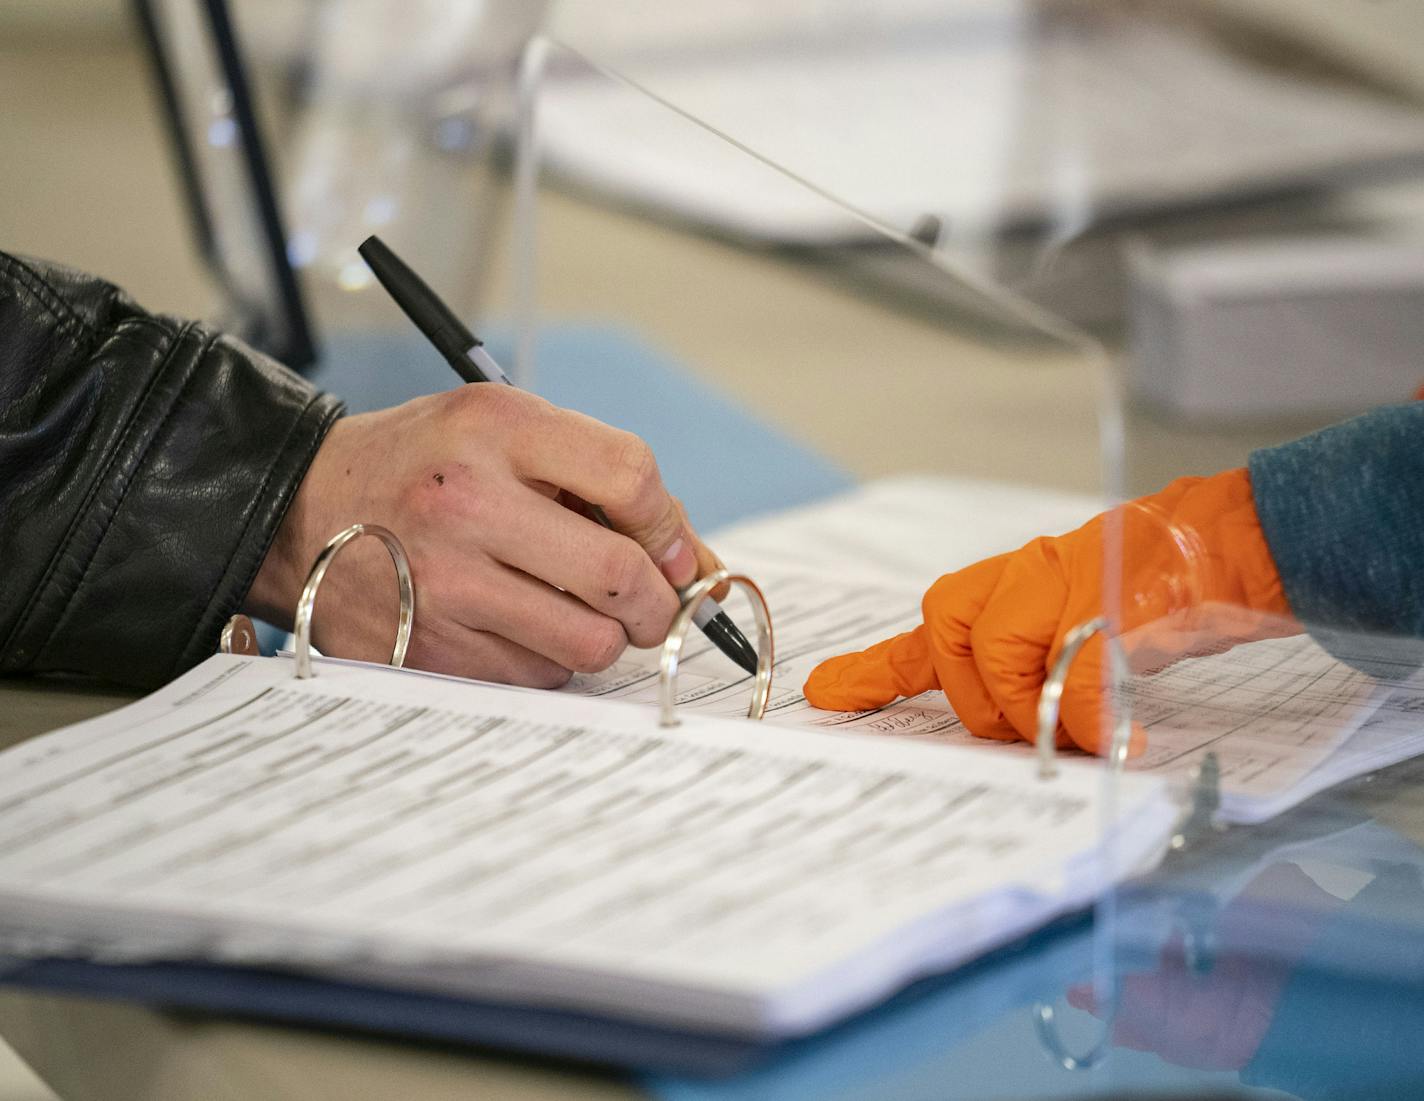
[(615, 470)]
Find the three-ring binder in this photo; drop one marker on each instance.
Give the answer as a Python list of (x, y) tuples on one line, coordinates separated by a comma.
[(239, 637), (677, 633)]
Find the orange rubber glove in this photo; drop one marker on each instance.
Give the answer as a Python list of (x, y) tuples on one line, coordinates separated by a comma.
[(992, 631)]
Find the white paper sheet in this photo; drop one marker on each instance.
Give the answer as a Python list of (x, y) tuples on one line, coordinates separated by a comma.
[(534, 846), (847, 573), (1273, 712)]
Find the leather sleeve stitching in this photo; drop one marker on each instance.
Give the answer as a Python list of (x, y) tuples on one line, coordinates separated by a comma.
[(85, 507), (138, 465), (252, 515), (47, 296)]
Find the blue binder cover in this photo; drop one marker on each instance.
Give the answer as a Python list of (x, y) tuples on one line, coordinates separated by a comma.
[(673, 1062), (304, 1000)]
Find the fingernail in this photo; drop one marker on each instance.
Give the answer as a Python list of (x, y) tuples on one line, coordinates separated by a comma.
[(679, 564)]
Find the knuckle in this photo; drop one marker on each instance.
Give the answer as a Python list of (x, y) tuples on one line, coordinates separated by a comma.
[(494, 406), (951, 598), (652, 630), (465, 402), (634, 472), (938, 592)]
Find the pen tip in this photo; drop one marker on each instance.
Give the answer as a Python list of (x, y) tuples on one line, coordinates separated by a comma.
[(735, 645)]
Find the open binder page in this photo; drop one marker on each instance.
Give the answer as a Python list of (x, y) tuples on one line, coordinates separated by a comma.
[(526, 846), (842, 575), (903, 532), (1280, 715), (1276, 713), (1284, 718), (816, 616)]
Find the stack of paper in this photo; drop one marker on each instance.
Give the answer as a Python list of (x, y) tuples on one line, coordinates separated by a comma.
[(445, 836), (1284, 718)]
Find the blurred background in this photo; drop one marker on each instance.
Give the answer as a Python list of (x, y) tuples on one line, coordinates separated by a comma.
[(1082, 245), (911, 236)]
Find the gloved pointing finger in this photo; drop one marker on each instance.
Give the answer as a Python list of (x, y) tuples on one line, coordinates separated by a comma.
[(991, 632)]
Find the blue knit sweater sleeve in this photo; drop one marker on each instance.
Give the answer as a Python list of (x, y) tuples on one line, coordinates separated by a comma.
[(1343, 514)]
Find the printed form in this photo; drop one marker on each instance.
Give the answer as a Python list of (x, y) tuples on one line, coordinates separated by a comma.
[(526, 844), (1274, 712)]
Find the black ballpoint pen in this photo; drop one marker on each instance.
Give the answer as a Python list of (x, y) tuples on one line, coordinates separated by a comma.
[(466, 354)]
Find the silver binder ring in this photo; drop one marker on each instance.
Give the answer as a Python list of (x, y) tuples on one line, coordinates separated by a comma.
[(1045, 1023), (307, 604), (1050, 698), (677, 634)]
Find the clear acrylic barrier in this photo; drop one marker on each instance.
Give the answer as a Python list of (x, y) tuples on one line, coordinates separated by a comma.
[(1274, 945), (994, 420), (772, 323)]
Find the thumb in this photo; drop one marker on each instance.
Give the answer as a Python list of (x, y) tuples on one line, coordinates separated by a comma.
[(899, 666)]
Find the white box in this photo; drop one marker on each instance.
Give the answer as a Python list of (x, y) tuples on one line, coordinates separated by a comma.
[(1263, 328)]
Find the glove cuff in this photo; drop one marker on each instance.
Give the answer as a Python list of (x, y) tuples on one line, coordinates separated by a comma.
[(1235, 565)]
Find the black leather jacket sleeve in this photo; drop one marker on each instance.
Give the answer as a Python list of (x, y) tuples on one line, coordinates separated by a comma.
[(145, 464)]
